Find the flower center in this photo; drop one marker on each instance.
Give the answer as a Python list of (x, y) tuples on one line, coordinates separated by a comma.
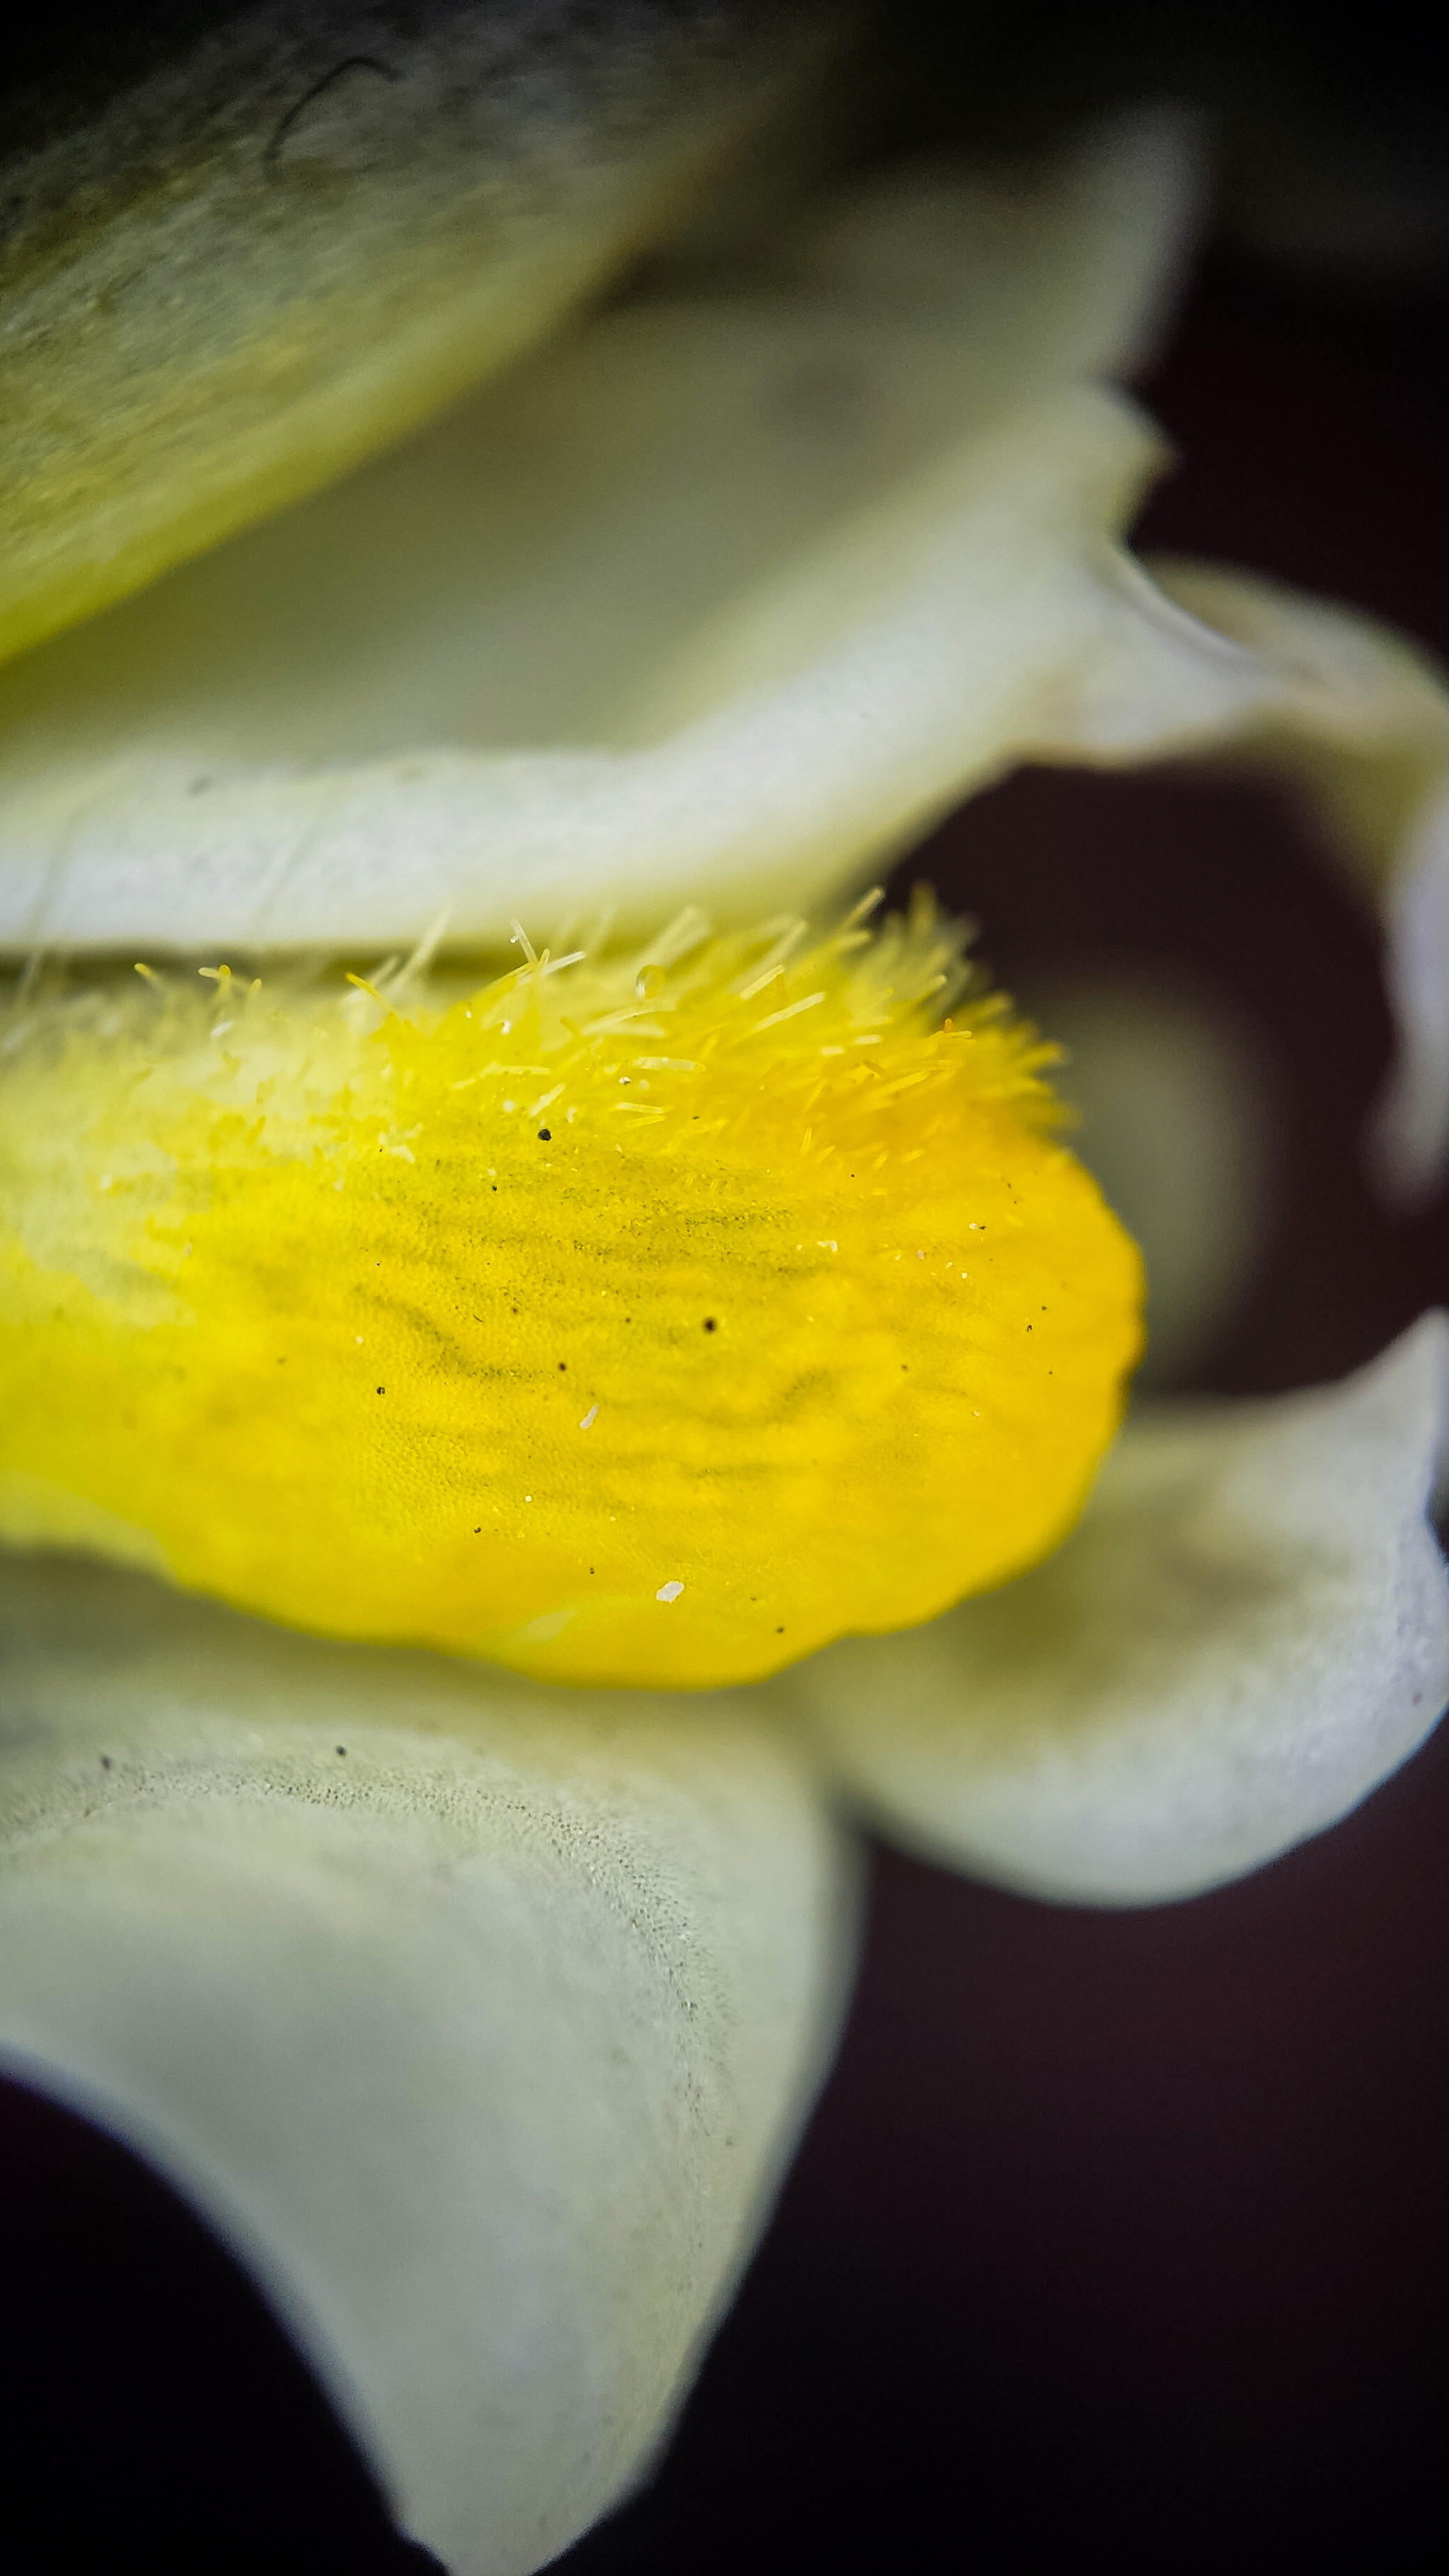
[(649, 1321)]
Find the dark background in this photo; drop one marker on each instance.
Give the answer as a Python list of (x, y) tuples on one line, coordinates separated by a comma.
[(1114, 2237)]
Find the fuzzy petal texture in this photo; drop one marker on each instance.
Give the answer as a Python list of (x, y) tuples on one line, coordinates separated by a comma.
[(479, 2027), (716, 601), (1248, 1631)]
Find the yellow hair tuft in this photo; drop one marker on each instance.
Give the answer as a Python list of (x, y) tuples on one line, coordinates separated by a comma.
[(648, 1319)]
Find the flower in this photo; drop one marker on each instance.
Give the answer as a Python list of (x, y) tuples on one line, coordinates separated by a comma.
[(480, 2016)]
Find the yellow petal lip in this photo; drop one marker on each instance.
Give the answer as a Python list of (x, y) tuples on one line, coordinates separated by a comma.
[(294, 240), (651, 1321)]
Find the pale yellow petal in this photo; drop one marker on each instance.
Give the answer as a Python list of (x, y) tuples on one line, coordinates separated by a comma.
[(478, 2027), (1248, 1631), (284, 241)]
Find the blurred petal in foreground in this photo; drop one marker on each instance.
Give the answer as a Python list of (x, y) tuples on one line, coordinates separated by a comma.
[(479, 2027)]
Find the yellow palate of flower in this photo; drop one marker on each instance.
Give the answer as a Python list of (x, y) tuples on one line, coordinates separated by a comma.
[(632, 1321)]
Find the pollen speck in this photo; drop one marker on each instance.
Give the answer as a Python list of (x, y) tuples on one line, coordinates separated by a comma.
[(669, 1592)]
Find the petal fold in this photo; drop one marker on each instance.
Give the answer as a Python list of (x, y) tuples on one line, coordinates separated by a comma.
[(478, 2026), (1248, 1631)]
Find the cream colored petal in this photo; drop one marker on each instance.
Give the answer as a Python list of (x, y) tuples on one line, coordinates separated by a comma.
[(268, 247), (1248, 1632), (479, 2027), (748, 754), (718, 601), (1178, 1123), (1360, 721)]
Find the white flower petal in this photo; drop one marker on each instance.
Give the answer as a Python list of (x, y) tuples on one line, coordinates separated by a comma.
[(1248, 1631), (482, 2040), (715, 602), (976, 615)]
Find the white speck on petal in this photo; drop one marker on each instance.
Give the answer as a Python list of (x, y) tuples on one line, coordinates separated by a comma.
[(590, 1417), (669, 1592)]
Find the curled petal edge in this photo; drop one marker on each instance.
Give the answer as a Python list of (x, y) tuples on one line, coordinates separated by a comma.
[(1248, 1631)]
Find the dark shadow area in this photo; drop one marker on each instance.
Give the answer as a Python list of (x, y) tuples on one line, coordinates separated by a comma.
[(156, 2415)]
